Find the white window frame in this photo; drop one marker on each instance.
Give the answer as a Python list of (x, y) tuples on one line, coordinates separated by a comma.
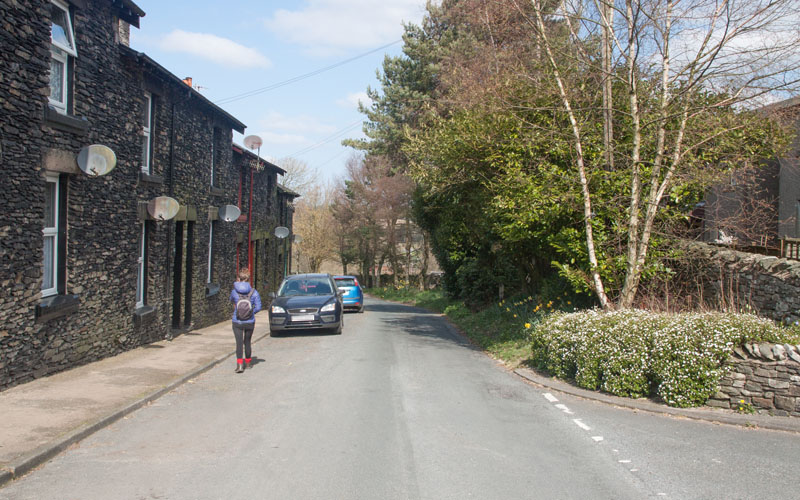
[(51, 233), (210, 252), (141, 265), (147, 128), (69, 49), (61, 52), (61, 58)]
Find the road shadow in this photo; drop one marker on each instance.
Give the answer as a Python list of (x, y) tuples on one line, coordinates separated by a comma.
[(255, 361), (432, 329), (302, 333), (390, 307)]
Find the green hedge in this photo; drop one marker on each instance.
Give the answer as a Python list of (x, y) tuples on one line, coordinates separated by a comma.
[(633, 353)]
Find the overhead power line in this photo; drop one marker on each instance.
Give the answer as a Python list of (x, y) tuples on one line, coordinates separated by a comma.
[(301, 77), (335, 135)]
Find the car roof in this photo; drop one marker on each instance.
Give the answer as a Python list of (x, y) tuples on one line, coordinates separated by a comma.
[(343, 276), (308, 275)]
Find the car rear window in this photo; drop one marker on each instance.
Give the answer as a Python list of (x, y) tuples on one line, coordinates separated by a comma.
[(345, 282), (305, 287)]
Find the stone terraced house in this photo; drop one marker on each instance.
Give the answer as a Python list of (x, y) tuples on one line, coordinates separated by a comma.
[(86, 271)]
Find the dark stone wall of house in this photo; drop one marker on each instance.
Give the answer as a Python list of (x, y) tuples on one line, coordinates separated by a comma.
[(267, 272), (24, 35), (104, 215)]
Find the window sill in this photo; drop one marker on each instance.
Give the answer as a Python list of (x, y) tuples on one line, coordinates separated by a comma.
[(56, 306), (67, 123), (215, 191), (150, 178), (143, 316), (212, 289)]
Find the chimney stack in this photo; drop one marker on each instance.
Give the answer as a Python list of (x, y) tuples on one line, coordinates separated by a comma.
[(188, 81), (123, 33)]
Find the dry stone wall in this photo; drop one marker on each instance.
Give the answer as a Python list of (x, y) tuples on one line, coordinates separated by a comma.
[(767, 285), (765, 377)]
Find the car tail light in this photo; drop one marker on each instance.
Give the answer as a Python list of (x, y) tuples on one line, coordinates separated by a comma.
[(356, 282)]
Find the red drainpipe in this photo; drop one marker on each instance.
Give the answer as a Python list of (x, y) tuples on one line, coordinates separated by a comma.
[(239, 204), (250, 229)]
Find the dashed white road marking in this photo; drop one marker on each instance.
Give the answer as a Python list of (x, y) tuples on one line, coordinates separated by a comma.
[(624, 461), (564, 408), (550, 397), (581, 424), (597, 438)]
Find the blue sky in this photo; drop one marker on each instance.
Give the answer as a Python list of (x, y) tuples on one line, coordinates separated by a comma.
[(235, 47)]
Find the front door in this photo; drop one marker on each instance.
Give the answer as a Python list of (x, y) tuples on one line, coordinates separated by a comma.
[(177, 275), (187, 316)]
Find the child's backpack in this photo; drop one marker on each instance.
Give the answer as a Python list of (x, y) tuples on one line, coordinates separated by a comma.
[(244, 308)]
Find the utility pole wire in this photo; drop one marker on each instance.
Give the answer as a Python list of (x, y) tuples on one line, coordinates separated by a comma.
[(274, 86), (331, 137)]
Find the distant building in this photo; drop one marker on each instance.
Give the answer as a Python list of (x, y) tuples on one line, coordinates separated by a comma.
[(757, 207), (86, 271)]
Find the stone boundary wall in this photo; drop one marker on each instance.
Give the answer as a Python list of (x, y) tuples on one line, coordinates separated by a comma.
[(763, 376), (768, 286)]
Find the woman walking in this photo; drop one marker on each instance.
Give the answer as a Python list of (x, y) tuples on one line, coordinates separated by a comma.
[(246, 303)]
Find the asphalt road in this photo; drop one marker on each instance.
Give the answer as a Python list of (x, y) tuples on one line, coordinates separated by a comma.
[(401, 407)]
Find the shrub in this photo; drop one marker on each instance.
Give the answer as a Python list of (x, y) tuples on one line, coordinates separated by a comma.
[(633, 353)]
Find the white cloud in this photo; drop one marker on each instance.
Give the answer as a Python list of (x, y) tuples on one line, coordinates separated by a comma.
[(327, 26), (215, 48), (353, 100)]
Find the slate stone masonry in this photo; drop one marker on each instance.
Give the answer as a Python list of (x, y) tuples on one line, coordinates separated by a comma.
[(765, 377), (94, 315), (767, 285)]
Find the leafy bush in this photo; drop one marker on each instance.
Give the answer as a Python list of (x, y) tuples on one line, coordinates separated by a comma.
[(636, 353)]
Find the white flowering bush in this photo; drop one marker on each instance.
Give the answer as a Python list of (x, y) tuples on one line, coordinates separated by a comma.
[(634, 353)]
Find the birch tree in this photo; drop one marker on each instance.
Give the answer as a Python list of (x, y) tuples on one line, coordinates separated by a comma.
[(670, 70)]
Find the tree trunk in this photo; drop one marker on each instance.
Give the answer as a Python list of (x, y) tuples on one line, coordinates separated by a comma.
[(608, 99), (597, 280), (423, 271)]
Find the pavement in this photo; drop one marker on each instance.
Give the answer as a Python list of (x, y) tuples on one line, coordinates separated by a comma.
[(42, 418)]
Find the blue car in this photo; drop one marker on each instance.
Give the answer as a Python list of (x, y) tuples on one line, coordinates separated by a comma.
[(353, 297)]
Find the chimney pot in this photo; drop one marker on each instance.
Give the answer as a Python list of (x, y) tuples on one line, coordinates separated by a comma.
[(188, 81)]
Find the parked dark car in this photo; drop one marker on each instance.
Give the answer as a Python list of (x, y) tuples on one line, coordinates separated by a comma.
[(306, 302), (353, 297)]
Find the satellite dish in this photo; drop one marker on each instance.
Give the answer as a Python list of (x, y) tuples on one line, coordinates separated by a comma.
[(163, 208), (96, 160), (229, 213), (281, 232), (253, 141)]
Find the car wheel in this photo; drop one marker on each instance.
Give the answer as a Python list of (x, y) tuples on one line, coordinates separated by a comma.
[(361, 309)]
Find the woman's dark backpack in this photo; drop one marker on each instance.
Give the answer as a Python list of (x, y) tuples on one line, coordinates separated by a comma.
[(244, 308)]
